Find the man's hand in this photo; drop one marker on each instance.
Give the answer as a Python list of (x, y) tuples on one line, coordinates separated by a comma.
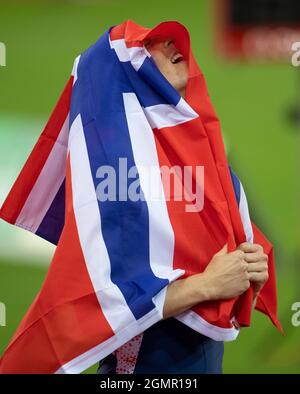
[(226, 276), (257, 264)]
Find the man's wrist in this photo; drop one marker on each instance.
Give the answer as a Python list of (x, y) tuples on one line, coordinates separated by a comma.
[(201, 290)]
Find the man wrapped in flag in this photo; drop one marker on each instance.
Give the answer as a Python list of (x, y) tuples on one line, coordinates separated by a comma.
[(157, 260)]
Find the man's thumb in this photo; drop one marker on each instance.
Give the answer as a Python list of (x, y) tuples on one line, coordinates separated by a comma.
[(224, 250)]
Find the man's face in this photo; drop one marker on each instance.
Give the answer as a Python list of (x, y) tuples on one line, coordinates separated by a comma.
[(169, 61)]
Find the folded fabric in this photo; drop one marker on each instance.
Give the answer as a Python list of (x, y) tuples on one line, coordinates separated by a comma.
[(86, 187)]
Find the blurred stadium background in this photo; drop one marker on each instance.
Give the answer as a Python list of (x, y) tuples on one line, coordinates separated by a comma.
[(254, 97)]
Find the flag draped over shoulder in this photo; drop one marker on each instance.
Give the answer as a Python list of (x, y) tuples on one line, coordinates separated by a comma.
[(115, 258)]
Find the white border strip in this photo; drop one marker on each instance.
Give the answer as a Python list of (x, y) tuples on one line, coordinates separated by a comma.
[(193, 320), (75, 67), (245, 216)]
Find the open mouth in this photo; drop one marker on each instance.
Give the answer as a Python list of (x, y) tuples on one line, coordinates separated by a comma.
[(177, 58)]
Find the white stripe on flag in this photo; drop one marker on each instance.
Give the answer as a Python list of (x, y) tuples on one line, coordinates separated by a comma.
[(135, 55), (161, 234), (167, 115), (47, 184), (111, 299)]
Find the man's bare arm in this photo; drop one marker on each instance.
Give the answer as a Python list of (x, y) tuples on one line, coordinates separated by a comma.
[(183, 294)]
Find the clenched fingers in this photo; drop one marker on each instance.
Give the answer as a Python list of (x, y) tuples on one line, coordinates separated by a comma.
[(257, 267), (249, 247), (255, 257), (258, 276)]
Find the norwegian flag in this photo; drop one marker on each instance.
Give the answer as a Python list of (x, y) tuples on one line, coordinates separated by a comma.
[(114, 259)]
